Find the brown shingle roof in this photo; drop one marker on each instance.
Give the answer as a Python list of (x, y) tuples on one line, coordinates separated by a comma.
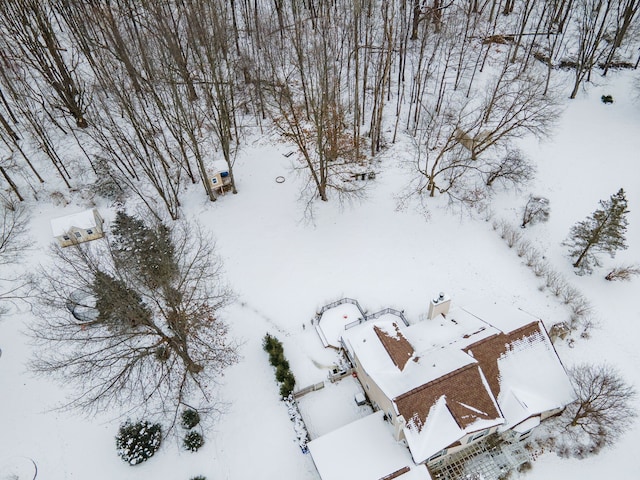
[(466, 395), (489, 350), (397, 346)]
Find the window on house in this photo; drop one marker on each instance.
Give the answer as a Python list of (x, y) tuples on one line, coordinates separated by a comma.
[(77, 234), (89, 231), (66, 237), (437, 455), (476, 436)]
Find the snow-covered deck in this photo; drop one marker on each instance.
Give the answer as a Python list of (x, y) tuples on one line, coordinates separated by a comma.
[(364, 450), (332, 407), (333, 321)]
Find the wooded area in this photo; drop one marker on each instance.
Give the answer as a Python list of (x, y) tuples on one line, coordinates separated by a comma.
[(124, 97)]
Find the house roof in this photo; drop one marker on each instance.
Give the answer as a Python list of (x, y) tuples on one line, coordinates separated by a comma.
[(364, 450), (445, 410), (465, 393), (462, 374), (82, 220), (398, 348), (524, 372), (419, 370)]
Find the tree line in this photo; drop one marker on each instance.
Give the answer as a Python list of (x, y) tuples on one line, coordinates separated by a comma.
[(136, 97)]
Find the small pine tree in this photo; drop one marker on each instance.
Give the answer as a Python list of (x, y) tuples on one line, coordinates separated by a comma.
[(193, 441), (603, 231), (137, 442), (190, 418)]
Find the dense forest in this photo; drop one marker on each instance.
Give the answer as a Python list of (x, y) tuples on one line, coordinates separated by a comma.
[(138, 97)]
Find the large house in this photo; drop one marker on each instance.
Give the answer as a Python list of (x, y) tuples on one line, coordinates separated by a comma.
[(461, 374)]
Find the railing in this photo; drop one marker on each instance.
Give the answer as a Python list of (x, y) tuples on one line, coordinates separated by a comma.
[(386, 311), (339, 302), (355, 323), (339, 376), (323, 339), (309, 389)]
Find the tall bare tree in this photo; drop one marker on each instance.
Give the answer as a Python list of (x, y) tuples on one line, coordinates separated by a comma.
[(149, 337), (31, 36)]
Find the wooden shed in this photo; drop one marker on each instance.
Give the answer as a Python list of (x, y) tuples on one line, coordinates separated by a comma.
[(219, 177)]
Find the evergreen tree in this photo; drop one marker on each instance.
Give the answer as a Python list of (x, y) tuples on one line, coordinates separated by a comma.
[(117, 304), (153, 347), (148, 248), (603, 231)]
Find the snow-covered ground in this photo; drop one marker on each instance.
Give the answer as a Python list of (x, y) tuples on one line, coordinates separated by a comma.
[(285, 268)]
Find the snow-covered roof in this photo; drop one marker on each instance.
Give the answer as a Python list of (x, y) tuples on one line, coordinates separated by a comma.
[(363, 450), (419, 370), (446, 410), (82, 220), (219, 166), (527, 425), (465, 372), (524, 373)]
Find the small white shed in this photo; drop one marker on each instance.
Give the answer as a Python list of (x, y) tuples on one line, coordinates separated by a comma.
[(219, 177), (78, 227)]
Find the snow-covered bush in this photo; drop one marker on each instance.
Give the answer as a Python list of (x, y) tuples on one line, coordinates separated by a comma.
[(137, 442), (190, 418), (198, 477), (298, 424), (193, 441)]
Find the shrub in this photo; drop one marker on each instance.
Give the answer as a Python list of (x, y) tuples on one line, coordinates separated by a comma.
[(193, 441), (137, 442), (281, 372), (536, 210), (606, 99), (190, 418), (525, 467), (198, 477), (625, 272), (274, 348), (288, 384)]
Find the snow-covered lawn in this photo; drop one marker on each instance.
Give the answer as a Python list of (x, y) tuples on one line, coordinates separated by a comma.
[(284, 269)]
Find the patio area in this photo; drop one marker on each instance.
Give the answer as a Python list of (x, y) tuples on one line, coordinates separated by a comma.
[(332, 407)]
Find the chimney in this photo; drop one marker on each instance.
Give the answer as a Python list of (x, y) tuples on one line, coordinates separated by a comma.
[(439, 305)]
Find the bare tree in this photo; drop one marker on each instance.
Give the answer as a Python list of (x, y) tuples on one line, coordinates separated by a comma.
[(512, 168), (308, 106), (14, 224), (31, 26), (150, 339), (593, 22), (536, 210), (604, 408)]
